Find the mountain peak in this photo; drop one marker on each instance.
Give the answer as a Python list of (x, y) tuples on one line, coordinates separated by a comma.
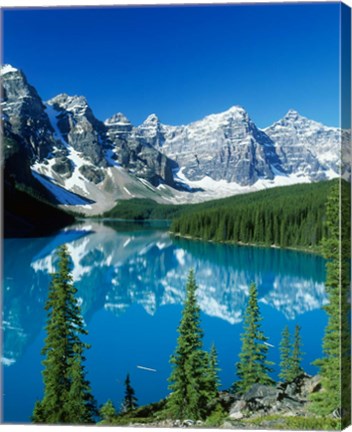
[(118, 119), (235, 113), (292, 114), (152, 118), (7, 68), (237, 109), (69, 103)]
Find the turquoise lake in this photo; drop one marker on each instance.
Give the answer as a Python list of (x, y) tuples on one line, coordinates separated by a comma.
[(131, 286)]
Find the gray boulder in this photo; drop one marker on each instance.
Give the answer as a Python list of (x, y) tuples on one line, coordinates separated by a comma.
[(289, 398)]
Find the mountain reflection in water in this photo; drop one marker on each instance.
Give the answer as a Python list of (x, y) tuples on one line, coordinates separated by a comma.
[(117, 265)]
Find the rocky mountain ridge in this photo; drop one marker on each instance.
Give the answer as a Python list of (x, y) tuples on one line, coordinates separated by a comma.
[(88, 164)]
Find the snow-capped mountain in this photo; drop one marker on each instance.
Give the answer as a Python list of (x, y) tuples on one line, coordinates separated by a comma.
[(89, 164), (23, 114), (306, 147), (72, 153), (226, 146)]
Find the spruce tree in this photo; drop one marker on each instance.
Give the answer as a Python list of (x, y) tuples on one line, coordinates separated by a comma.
[(253, 366), (296, 359), (336, 337), (107, 412), (130, 401), (67, 397), (285, 355), (189, 377), (214, 369), (290, 354)]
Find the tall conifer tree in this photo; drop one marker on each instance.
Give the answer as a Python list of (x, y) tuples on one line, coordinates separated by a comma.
[(297, 354), (253, 366), (67, 397), (285, 355), (130, 401), (290, 354), (214, 369), (189, 377)]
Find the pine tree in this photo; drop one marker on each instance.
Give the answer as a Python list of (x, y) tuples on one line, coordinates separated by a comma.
[(337, 284), (296, 359), (107, 412), (285, 355), (253, 366), (189, 377), (214, 381), (130, 401), (291, 355), (67, 397)]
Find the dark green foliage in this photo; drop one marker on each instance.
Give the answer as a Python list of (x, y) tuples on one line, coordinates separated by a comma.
[(142, 415), (336, 340), (27, 215), (214, 381), (217, 417), (346, 303), (130, 401), (144, 208), (290, 216), (107, 413), (190, 380), (253, 366), (285, 355), (67, 397), (80, 403), (38, 413), (297, 354), (290, 354), (29, 208)]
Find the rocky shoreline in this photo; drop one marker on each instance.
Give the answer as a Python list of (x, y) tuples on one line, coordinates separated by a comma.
[(284, 405)]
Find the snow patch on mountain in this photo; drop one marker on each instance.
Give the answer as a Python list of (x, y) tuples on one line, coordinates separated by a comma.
[(7, 68), (306, 147), (57, 184), (63, 196), (209, 188)]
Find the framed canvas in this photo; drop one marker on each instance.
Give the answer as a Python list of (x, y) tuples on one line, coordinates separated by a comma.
[(176, 215)]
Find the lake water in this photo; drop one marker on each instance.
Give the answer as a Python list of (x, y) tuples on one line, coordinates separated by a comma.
[(131, 285)]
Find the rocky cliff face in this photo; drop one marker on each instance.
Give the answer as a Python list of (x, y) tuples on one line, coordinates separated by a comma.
[(137, 154), (229, 146), (24, 114), (306, 147), (58, 131), (79, 127), (226, 146)]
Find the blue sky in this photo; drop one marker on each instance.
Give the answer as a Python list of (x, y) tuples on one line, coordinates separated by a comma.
[(183, 63)]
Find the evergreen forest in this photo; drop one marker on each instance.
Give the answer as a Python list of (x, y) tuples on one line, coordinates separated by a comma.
[(291, 216)]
